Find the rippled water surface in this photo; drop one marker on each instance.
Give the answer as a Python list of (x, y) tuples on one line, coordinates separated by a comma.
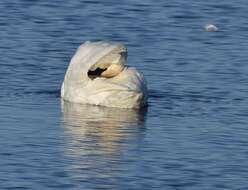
[(193, 135)]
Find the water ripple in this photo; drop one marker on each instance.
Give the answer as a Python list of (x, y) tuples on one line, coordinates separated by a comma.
[(193, 134)]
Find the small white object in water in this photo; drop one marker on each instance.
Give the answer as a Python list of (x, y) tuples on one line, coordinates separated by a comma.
[(210, 28)]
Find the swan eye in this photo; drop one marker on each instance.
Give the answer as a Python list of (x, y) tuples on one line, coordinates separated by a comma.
[(95, 73)]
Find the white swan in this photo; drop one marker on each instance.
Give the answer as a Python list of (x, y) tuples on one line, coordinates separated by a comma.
[(97, 75)]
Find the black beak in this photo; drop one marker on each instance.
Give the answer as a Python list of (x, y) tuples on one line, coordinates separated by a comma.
[(95, 73)]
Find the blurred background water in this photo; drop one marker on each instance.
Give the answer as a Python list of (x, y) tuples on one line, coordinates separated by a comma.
[(194, 134)]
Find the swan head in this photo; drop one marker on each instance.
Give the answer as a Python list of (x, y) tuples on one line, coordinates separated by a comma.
[(109, 65)]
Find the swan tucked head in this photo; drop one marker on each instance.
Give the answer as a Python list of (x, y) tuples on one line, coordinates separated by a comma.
[(97, 75), (109, 65)]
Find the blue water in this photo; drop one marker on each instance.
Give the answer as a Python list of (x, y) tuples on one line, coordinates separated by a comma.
[(193, 135)]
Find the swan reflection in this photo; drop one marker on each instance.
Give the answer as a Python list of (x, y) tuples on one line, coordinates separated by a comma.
[(100, 130), (98, 140)]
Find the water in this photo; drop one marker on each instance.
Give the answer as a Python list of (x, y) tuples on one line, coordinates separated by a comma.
[(194, 133)]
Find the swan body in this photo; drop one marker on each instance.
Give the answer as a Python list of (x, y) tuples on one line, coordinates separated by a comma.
[(97, 75)]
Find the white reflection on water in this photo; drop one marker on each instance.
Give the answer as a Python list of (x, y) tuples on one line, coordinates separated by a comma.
[(98, 138)]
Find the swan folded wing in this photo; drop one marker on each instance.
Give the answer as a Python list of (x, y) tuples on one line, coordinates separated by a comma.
[(127, 90), (131, 79)]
